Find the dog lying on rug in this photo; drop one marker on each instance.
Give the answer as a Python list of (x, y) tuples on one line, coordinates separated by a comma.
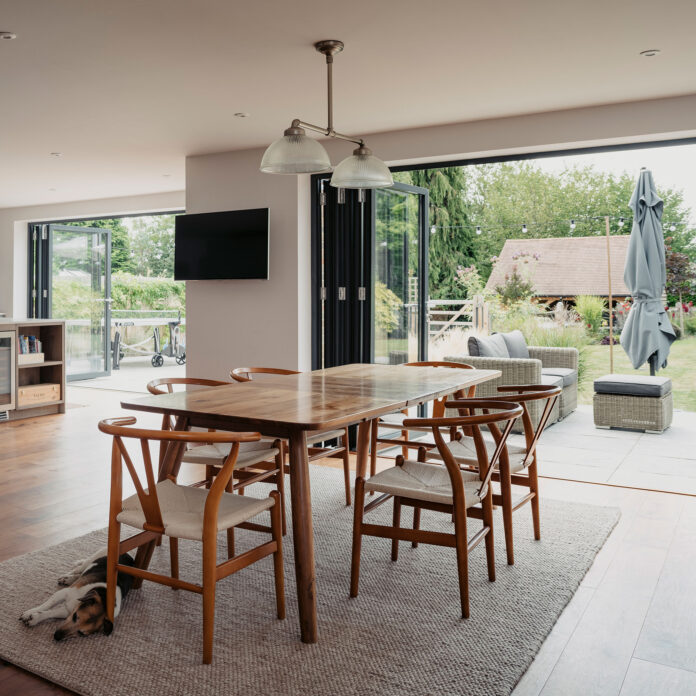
[(82, 601)]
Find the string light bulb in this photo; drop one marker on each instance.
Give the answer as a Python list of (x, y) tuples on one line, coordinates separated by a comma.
[(524, 228), (672, 227), (572, 225), (433, 229), (478, 229), (621, 222)]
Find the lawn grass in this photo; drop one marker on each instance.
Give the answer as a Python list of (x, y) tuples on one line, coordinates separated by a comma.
[(681, 367)]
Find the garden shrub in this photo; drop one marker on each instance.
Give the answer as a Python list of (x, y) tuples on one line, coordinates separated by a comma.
[(388, 308), (591, 310), (515, 288)]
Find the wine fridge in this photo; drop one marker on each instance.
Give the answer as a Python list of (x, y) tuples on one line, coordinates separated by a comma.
[(8, 341)]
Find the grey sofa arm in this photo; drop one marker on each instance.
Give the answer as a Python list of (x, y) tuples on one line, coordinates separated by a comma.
[(515, 371), (555, 357)]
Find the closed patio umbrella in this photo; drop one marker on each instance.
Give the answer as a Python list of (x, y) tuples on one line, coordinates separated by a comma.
[(648, 332)]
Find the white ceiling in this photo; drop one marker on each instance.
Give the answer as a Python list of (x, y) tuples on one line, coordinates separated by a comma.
[(125, 89)]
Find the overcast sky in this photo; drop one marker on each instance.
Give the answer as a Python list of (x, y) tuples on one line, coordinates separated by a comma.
[(674, 167)]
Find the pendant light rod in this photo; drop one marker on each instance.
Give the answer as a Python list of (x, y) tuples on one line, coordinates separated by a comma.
[(297, 123), (328, 48), (329, 89)]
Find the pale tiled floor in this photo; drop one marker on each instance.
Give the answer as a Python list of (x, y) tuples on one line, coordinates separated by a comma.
[(631, 627), (575, 449)]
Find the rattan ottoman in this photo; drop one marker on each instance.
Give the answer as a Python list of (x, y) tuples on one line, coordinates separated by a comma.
[(634, 402)]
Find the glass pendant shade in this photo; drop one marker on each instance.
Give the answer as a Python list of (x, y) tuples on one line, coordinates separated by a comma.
[(362, 170), (295, 153)]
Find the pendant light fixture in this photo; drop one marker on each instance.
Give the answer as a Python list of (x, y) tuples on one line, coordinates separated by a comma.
[(296, 153)]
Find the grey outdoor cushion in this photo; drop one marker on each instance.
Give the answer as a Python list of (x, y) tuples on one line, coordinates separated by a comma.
[(567, 374), (490, 347), (633, 385), (552, 380), (516, 345)]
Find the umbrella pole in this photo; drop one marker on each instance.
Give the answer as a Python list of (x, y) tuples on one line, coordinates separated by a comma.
[(611, 301)]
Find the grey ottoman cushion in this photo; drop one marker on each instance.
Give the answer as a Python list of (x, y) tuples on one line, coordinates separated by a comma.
[(633, 385), (490, 347), (568, 375), (552, 380), (516, 345)]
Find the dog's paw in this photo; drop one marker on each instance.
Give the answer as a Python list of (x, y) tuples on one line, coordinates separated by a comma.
[(66, 580), (29, 617)]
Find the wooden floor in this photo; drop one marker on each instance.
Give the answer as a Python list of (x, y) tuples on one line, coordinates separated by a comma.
[(630, 630)]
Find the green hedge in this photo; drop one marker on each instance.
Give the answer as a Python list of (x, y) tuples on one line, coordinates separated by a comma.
[(71, 295), (138, 292)]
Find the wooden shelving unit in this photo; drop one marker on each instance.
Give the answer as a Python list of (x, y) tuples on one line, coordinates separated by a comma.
[(45, 363), (50, 371)]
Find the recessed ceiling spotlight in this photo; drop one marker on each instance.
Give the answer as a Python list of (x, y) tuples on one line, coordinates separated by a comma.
[(242, 114), (7, 35), (51, 189), (650, 52), (166, 176), (55, 154)]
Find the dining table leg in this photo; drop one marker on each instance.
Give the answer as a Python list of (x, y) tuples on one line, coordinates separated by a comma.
[(303, 536)]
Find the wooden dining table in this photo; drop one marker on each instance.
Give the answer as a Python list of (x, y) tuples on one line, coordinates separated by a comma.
[(290, 406)]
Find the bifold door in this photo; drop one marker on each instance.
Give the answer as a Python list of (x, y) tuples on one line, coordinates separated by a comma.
[(370, 279), (70, 279)]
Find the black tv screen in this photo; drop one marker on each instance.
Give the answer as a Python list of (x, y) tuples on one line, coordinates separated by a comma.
[(217, 246)]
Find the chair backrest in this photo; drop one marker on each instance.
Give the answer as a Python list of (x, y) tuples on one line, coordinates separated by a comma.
[(492, 411), (156, 385), (120, 429), (244, 374), (165, 385), (524, 394), (439, 404)]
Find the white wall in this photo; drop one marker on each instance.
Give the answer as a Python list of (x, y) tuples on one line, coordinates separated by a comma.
[(230, 323), (233, 323), (14, 241)]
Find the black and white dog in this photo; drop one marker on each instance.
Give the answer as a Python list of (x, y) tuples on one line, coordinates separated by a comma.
[(82, 601)]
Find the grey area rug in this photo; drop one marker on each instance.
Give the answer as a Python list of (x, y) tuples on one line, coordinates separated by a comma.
[(403, 635)]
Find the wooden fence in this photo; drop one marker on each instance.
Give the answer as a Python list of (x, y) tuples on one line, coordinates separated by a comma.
[(445, 315)]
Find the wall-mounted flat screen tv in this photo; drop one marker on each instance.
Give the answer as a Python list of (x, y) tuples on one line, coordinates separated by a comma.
[(218, 246)]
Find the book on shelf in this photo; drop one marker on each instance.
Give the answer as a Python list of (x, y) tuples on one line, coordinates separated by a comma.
[(29, 344)]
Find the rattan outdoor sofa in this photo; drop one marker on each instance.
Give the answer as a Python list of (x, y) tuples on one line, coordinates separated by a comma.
[(522, 364)]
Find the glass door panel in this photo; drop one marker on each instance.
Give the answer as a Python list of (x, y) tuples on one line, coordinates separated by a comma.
[(80, 294), (399, 280)]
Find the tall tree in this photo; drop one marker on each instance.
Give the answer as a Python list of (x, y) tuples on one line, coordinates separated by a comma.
[(451, 244), (501, 198), (152, 246)]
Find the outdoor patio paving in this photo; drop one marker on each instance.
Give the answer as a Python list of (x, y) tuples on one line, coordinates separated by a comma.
[(574, 449), (133, 375)]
